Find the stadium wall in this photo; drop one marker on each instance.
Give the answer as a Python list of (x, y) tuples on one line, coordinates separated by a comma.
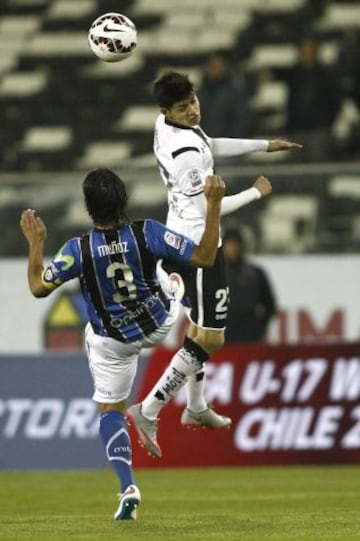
[(289, 405), (318, 299)]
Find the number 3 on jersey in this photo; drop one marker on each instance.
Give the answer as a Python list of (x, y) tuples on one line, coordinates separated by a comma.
[(123, 278)]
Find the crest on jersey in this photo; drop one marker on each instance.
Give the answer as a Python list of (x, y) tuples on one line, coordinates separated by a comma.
[(195, 178), (172, 240), (48, 275)]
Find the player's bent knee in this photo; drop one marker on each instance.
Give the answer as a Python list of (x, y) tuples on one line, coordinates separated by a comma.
[(117, 406), (211, 344)]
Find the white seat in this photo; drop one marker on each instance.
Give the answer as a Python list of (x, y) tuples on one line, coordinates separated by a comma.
[(104, 154), (17, 47), (356, 228), (226, 19), (187, 19), (143, 7), (294, 206), (138, 117), (328, 52), (285, 212), (19, 25), (347, 115), (271, 94), (58, 44), (280, 219), (147, 194), (280, 5), (277, 233), (64, 9), (202, 17), (345, 186), (271, 56), (225, 5), (25, 3), (162, 7), (340, 16), (75, 214), (164, 40), (7, 63), (46, 139), (209, 40), (20, 84), (105, 70)]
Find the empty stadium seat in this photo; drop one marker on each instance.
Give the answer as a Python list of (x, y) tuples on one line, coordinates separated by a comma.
[(289, 223)]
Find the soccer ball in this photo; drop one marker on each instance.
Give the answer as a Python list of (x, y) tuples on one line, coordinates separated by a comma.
[(112, 37)]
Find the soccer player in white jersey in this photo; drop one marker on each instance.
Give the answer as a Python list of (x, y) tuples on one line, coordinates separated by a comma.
[(185, 155), (116, 265)]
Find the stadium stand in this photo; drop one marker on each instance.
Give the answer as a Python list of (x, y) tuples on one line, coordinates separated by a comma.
[(63, 110), (49, 78)]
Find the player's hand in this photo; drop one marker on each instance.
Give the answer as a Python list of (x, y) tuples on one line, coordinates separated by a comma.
[(278, 144), (214, 188), (263, 184), (33, 227)]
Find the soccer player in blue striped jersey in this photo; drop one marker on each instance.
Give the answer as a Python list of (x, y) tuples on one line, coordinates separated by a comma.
[(116, 265)]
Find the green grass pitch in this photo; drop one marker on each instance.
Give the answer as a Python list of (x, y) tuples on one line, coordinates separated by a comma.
[(249, 504)]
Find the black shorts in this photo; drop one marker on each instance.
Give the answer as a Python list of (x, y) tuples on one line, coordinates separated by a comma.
[(206, 292)]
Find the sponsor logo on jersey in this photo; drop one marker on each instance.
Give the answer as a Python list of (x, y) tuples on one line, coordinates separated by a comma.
[(172, 240), (195, 178), (132, 315)]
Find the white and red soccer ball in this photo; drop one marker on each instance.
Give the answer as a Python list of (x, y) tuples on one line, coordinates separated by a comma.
[(112, 37)]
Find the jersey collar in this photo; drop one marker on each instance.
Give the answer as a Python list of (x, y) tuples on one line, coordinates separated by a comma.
[(175, 125)]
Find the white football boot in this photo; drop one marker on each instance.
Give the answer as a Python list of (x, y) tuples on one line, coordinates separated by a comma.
[(146, 429), (129, 502), (204, 419)]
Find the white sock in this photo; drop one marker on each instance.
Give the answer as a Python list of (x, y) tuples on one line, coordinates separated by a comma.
[(195, 388), (182, 365)]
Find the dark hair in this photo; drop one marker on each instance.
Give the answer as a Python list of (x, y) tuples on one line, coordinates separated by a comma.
[(224, 54), (105, 197), (171, 88), (233, 234)]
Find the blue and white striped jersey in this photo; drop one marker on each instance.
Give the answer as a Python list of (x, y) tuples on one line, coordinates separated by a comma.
[(117, 273)]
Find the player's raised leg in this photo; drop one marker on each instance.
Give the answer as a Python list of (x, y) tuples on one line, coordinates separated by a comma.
[(198, 414), (208, 294), (145, 415)]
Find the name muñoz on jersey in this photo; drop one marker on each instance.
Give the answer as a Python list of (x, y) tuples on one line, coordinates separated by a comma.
[(185, 159), (117, 273)]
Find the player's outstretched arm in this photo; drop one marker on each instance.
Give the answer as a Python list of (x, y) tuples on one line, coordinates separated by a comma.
[(224, 147), (230, 203), (35, 232), (263, 185), (204, 255), (261, 188), (278, 144)]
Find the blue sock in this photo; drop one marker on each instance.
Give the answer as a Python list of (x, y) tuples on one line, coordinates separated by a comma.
[(117, 445)]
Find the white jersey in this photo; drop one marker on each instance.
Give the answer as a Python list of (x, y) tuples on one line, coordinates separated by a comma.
[(185, 159)]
